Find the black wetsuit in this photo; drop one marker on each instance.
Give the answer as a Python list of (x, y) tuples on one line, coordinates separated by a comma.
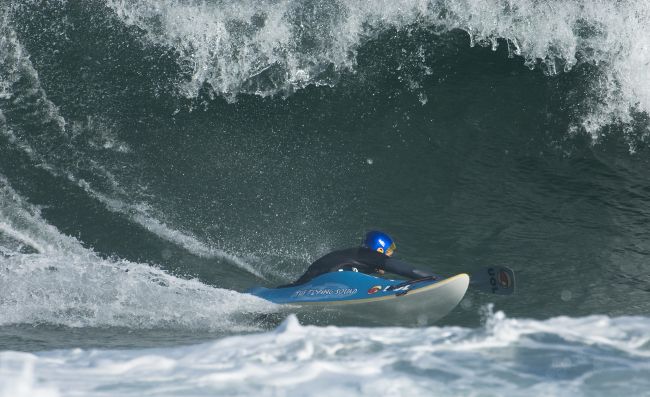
[(363, 260)]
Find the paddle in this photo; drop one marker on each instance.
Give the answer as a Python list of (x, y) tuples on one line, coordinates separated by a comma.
[(499, 280)]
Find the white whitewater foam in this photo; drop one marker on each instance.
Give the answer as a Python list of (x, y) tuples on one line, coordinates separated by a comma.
[(14, 65), (613, 35), (67, 284), (591, 356), (87, 291), (226, 44), (17, 373), (22, 221)]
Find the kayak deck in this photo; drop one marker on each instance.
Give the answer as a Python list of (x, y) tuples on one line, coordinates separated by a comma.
[(427, 297)]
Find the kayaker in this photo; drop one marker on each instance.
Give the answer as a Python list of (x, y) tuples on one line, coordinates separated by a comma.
[(374, 256)]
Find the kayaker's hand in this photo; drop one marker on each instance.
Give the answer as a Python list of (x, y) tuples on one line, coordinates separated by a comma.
[(381, 272)]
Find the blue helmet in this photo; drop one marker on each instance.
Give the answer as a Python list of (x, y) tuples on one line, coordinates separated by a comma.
[(378, 241)]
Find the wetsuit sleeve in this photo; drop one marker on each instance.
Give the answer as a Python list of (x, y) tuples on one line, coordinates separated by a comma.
[(401, 268)]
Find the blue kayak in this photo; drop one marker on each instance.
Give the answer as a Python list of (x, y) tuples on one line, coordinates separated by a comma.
[(432, 298)]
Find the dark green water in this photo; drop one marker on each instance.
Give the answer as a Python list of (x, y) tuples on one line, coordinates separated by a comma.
[(463, 154)]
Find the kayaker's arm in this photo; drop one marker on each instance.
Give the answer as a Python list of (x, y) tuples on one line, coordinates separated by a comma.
[(401, 268)]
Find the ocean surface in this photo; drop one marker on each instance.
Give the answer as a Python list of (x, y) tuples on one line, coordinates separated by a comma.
[(160, 157)]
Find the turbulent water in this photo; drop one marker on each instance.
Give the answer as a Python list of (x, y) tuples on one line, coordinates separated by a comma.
[(159, 157)]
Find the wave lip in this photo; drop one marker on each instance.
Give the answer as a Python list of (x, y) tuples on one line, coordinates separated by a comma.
[(277, 46), (262, 47)]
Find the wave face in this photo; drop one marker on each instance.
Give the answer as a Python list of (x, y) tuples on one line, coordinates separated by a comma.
[(591, 356), (157, 158)]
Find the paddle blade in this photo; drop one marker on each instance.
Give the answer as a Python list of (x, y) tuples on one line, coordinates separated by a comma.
[(499, 280)]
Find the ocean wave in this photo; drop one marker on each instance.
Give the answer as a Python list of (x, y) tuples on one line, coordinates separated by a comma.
[(87, 291), (563, 356), (20, 87), (279, 46), (57, 147), (141, 214), (63, 283)]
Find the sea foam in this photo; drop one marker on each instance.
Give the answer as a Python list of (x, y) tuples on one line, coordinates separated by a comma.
[(562, 356), (61, 282), (266, 47)]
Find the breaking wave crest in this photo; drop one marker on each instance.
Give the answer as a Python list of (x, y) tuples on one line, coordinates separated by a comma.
[(279, 46)]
